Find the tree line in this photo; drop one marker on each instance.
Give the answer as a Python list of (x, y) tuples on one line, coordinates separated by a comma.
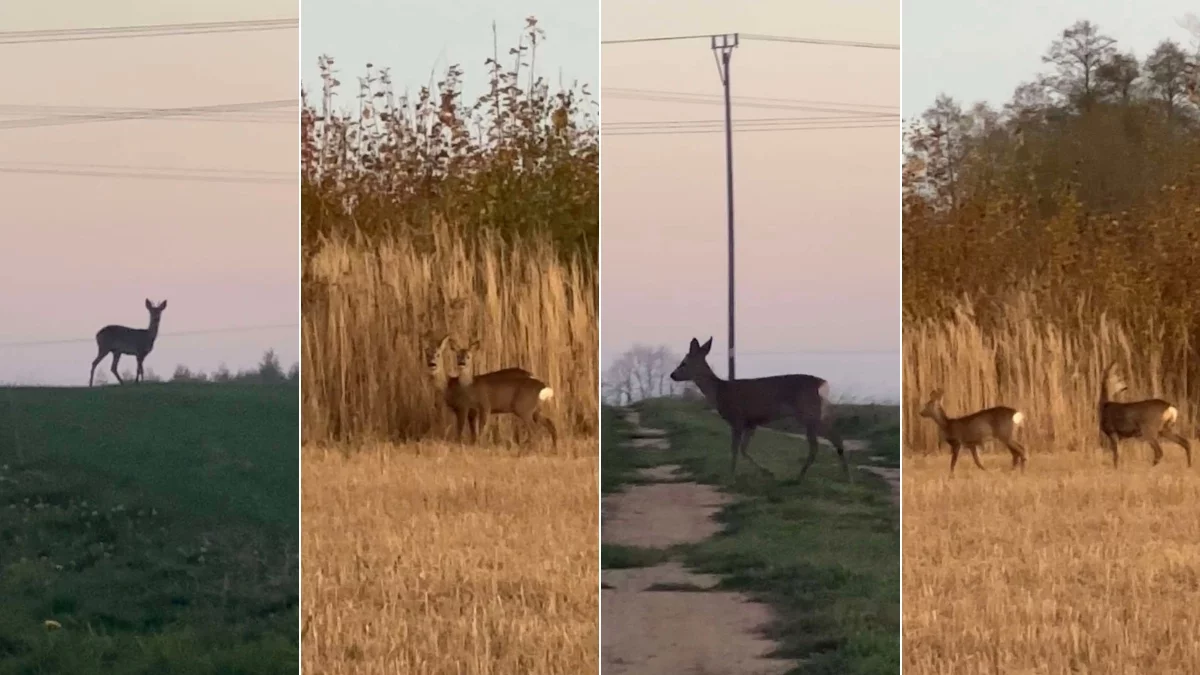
[(268, 371)]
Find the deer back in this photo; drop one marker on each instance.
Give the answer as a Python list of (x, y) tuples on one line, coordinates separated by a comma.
[(1136, 417), (997, 422), (763, 399), (124, 340)]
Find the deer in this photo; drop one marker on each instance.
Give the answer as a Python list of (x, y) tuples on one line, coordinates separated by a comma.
[(433, 348), (476, 397), (750, 403), (1149, 419), (972, 431), (136, 342)]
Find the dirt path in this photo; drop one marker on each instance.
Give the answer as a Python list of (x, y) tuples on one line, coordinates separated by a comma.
[(663, 619)]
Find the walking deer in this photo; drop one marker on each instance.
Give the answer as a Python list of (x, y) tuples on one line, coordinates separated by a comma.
[(137, 342), (749, 404), (972, 431), (1148, 419), (476, 397)]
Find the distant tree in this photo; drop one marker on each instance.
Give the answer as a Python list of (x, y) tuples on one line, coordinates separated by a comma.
[(1116, 77), (642, 372), (1078, 57), (222, 375), (269, 370), (1167, 71)]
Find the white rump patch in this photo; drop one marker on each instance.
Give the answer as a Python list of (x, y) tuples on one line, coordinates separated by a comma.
[(1170, 414), (545, 394), (823, 390), (1018, 418)]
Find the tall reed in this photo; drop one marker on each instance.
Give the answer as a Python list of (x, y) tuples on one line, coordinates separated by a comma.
[(1048, 367), (366, 306)]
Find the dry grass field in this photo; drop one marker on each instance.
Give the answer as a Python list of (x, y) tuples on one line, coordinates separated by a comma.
[(434, 558), (1071, 568)]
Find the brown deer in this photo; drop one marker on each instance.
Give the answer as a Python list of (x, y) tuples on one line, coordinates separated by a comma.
[(749, 404), (972, 431), (476, 397), (137, 342), (1148, 419), (433, 348)]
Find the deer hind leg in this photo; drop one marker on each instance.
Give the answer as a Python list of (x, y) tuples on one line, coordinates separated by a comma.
[(1114, 446), (1020, 457), (735, 445), (830, 434), (810, 432), (116, 360), (975, 456), (140, 377), (549, 425), (1158, 451), (1179, 440), (95, 362), (479, 423), (461, 416)]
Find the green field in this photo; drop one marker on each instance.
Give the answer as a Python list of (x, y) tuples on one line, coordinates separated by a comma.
[(156, 524), (823, 553)]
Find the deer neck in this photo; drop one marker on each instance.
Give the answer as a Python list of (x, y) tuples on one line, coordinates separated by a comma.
[(940, 418), (709, 384), (465, 377), (152, 331)]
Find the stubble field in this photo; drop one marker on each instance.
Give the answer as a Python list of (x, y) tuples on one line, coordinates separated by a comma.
[(433, 558)]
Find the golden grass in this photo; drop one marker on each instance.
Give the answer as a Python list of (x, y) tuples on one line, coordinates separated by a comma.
[(1050, 370), (435, 558), (366, 305), (1070, 568)]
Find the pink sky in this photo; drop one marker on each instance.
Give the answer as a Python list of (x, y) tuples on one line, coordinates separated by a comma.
[(82, 252), (818, 212)]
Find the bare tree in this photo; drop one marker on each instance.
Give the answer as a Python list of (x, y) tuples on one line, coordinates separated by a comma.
[(641, 372), (1078, 56), (1167, 74)]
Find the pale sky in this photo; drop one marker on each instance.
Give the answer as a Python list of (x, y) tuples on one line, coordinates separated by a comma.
[(818, 212), (417, 39), (980, 51), (79, 253)]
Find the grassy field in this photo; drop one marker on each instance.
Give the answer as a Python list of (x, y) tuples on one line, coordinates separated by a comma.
[(823, 553), (435, 558), (149, 529), (1070, 568)]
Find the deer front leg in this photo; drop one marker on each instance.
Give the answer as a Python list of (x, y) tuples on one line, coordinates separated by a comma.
[(975, 456), (460, 415), (115, 361), (481, 423), (140, 373), (745, 449), (954, 448), (735, 445), (1113, 443)]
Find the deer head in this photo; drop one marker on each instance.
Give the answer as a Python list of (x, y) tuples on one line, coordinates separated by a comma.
[(695, 363), (1113, 384), (432, 347), (155, 310), (933, 405), (465, 356)]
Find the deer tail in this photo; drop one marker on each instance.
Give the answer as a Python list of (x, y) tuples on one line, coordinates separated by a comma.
[(1018, 418), (545, 394), (1170, 415)]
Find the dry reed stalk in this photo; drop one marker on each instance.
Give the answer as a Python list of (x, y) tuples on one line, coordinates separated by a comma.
[(428, 558), (366, 304), (1068, 568), (1039, 364)]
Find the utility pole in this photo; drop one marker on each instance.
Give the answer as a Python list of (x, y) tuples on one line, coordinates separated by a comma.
[(722, 46)]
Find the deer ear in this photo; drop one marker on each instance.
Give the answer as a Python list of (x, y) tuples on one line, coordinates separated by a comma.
[(442, 343), (163, 305), (474, 345), (936, 395), (149, 305), (694, 345), (706, 346)]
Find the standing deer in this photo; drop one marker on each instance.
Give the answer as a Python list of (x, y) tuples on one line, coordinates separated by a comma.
[(137, 342), (477, 397), (748, 404), (433, 348), (1148, 419), (973, 430)]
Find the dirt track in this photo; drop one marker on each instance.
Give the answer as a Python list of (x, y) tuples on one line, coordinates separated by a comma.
[(680, 626)]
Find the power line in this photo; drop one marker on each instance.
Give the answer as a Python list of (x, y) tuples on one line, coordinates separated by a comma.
[(291, 175), (179, 175), (264, 116), (746, 102), (756, 99), (799, 352), (761, 121), (673, 132), (758, 37), (156, 30), (120, 115), (211, 331)]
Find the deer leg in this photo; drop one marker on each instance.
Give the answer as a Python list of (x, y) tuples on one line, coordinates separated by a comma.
[(975, 456), (954, 448), (1158, 451), (1113, 445), (481, 423), (1018, 453), (96, 362), (1179, 440), (745, 450), (139, 377), (830, 434), (810, 432), (734, 446), (461, 419), (545, 422), (115, 361)]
